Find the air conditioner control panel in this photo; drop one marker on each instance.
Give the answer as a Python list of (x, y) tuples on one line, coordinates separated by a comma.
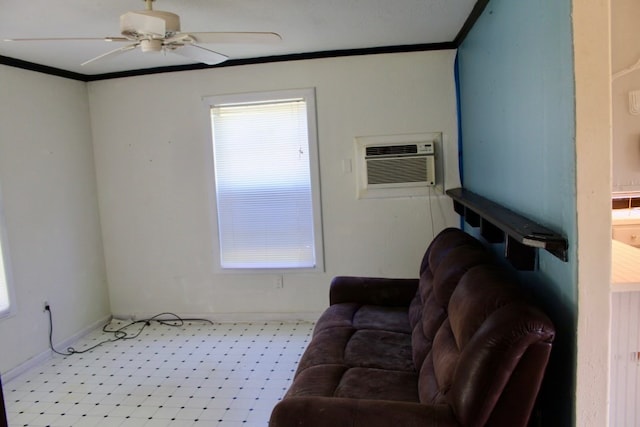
[(426, 148)]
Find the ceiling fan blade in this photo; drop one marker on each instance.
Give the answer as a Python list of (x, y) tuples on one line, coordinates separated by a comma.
[(200, 54), (106, 39), (236, 37), (111, 52)]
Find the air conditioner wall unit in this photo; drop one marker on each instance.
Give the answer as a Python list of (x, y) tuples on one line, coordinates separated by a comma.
[(396, 166)]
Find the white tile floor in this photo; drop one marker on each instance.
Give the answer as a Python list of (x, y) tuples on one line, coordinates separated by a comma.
[(197, 374)]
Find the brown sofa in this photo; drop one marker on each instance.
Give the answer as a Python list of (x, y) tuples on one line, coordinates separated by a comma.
[(460, 346)]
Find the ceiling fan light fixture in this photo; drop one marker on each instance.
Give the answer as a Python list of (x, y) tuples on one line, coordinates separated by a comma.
[(151, 45)]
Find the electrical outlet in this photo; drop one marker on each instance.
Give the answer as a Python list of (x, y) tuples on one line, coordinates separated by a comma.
[(45, 306)]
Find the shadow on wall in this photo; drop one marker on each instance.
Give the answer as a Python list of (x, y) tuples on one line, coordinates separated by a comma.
[(556, 400)]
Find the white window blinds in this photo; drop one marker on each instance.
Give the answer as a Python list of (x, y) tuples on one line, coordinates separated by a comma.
[(263, 183)]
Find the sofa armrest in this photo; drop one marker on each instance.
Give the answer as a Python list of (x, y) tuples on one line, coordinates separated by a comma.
[(314, 411), (372, 290)]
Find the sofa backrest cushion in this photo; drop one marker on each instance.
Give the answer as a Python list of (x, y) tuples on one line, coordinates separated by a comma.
[(447, 258), (446, 240), (453, 266)]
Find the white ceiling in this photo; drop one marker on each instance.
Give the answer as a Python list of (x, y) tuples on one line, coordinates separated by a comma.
[(305, 26)]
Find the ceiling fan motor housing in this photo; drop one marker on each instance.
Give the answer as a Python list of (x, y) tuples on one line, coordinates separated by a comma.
[(149, 23)]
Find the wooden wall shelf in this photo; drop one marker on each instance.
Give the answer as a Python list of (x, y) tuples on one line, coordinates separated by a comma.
[(522, 237)]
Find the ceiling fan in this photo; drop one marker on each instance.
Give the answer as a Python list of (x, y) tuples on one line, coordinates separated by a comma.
[(159, 31)]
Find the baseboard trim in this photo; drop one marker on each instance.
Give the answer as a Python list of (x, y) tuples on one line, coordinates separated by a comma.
[(48, 354), (231, 317)]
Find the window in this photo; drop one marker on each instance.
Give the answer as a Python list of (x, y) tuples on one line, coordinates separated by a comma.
[(6, 306), (266, 180)]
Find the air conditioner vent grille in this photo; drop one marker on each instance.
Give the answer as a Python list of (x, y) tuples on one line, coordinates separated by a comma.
[(396, 171), (391, 150)]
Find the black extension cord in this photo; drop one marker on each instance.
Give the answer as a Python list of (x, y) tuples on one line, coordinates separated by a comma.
[(120, 333)]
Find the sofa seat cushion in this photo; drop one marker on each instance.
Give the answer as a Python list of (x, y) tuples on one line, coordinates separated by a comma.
[(359, 316), (393, 319), (370, 348), (362, 348), (356, 383), (359, 351), (378, 384), (364, 336)]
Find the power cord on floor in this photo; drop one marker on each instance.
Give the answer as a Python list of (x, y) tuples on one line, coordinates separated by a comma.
[(121, 333)]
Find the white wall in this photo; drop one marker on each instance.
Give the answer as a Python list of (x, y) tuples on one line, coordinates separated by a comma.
[(625, 51), (154, 168), (48, 187)]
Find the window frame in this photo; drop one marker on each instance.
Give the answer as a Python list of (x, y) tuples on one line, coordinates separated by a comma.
[(308, 95), (5, 259)]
